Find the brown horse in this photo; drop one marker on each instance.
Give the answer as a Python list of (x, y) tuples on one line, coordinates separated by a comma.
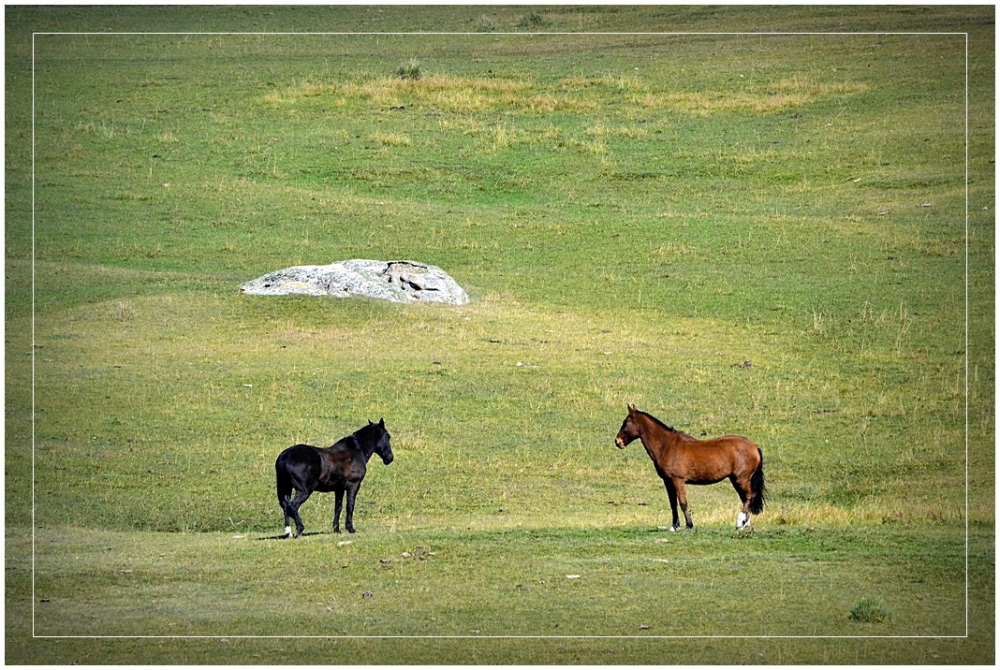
[(681, 459)]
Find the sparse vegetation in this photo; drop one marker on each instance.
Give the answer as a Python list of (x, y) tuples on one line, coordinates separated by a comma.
[(870, 610), (393, 139), (486, 24), (532, 21), (409, 71)]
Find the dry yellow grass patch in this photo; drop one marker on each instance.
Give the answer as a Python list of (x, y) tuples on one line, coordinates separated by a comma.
[(624, 132), (449, 93), (580, 94), (615, 82), (392, 139), (455, 94)]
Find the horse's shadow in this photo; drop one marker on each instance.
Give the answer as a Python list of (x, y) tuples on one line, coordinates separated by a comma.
[(289, 537)]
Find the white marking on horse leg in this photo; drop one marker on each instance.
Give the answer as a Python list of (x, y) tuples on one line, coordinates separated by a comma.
[(673, 529), (288, 531), (742, 520)]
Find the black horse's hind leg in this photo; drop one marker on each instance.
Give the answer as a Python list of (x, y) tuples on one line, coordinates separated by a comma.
[(337, 506), (292, 508), (285, 491), (672, 495), (284, 508)]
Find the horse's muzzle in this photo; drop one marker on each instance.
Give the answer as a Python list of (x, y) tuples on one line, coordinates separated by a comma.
[(620, 443), (387, 460)]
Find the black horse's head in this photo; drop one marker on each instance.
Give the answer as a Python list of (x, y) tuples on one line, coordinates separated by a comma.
[(382, 441)]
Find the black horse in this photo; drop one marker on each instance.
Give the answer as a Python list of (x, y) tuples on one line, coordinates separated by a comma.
[(339, 468)]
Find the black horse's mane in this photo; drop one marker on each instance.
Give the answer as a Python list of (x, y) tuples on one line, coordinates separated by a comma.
[(363, 434), (364, 430), (377, 427)]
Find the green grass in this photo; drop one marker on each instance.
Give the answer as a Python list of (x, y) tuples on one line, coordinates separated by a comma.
[(418, 583), (870, 610), (634, 216)]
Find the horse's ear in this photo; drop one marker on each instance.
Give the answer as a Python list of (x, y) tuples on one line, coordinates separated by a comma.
[(381, 423), (631, 408)]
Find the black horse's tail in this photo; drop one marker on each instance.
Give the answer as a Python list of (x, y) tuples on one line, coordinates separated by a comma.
[(284, 483), (757, 486)]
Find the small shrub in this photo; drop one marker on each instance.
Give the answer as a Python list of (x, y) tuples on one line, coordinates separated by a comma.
[(410, 70), (532, 20), (870, 610), (486, 24), (124, 311)]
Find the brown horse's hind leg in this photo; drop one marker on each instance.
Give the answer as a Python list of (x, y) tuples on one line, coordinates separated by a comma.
[(746, 497)]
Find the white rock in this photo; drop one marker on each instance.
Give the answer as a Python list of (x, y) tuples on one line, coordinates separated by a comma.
[(396, 281)]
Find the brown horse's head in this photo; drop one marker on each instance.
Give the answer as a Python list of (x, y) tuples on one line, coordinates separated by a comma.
[(629, 430)]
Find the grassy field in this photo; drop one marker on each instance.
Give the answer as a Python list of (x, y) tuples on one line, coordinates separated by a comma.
[(790, 237)]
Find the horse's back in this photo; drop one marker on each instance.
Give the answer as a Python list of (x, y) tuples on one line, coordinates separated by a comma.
[(712, 460), (745, 453), (298, 459), (343, 460), (737, 444)]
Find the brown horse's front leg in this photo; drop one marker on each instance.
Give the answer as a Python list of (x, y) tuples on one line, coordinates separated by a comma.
[(682, 498), (672, 495)]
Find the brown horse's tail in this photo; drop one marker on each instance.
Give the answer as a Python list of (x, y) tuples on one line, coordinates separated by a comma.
[(757, 486)]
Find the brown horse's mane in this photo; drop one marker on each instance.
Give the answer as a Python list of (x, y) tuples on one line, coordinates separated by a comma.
[(661, 424)]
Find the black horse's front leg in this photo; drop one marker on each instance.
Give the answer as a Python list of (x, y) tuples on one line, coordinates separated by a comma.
[(337, 506), (352, 494)]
